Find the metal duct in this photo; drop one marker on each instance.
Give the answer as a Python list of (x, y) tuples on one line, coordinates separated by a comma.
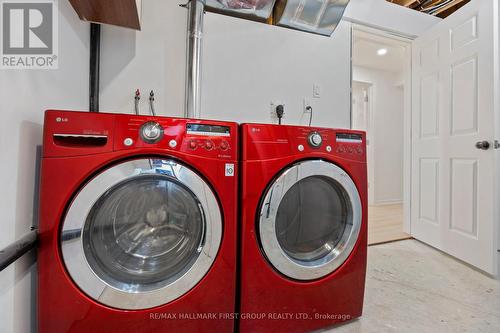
[(257, 10), (319, 17), (194, 48)]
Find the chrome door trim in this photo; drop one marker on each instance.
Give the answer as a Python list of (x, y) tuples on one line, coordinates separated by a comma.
[(308, 270), (133, 298)]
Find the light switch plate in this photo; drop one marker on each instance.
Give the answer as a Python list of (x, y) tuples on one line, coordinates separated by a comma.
[(316, 90)]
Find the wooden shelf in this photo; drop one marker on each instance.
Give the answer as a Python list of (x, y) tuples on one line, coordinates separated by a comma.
[(123, 13)]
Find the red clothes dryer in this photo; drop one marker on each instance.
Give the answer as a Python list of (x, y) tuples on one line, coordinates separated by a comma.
[(137, 224), (304, 227)]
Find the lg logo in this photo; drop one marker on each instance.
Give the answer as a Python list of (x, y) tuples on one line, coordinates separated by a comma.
[(29, 38)]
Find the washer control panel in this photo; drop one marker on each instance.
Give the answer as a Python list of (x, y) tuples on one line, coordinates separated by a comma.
[(208, 144), (206, 138), (73, 133), (208, 130)]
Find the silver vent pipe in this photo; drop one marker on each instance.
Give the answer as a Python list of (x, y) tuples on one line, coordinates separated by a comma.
[(196, 10)]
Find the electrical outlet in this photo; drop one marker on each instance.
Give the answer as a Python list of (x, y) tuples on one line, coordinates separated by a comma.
[(307, 103), (272, 110)]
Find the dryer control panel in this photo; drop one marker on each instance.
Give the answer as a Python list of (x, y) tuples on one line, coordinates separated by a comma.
[(263, 141), (349, 143)]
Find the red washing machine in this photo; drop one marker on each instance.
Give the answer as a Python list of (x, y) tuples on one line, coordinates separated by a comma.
[(304, 227), (137, 224)]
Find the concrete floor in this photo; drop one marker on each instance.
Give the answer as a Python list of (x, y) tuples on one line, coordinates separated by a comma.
[(412, 287)]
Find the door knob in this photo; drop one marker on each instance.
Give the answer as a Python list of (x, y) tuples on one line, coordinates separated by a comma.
[(484, 145)]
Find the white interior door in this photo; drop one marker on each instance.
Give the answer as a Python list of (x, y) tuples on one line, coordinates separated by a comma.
[(453, 109)]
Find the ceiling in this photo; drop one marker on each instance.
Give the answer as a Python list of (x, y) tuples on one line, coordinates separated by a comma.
[(439, 8), (365, 52)]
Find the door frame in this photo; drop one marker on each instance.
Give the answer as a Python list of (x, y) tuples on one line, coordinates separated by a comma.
[(406, 42), (496, 111), (407, 186)]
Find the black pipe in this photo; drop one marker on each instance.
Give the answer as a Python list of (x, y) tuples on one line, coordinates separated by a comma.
[(16, 250), (94, 68)]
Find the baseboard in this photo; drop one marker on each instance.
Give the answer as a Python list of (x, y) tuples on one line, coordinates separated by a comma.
[(387, 202)]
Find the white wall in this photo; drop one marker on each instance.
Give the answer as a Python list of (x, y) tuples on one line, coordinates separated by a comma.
[(150, 59), (24, 96), (387, 114), (360, 120), (246, 66), (388, 16)]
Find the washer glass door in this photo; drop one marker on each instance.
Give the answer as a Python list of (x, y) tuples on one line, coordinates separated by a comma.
[(310, 220), (141, 233)]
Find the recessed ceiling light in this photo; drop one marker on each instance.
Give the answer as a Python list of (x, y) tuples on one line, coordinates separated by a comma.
[(382, 52)]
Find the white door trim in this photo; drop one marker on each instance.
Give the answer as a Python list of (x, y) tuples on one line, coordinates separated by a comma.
[(496, 103), (405, 42)]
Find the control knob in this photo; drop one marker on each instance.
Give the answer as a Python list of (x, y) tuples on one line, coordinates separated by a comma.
[(151, 132), (193, 145), (209, 145), (315, 139), (224, 145)]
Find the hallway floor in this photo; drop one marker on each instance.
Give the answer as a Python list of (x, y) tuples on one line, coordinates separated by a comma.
[(385, 224), (412, 287)]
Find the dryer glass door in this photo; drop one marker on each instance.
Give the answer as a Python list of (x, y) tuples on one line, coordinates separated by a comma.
[(310, 220), (141, 233)]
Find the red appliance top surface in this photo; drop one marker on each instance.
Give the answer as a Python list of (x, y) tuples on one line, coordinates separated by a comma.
[(73, 133), (268, 142)]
